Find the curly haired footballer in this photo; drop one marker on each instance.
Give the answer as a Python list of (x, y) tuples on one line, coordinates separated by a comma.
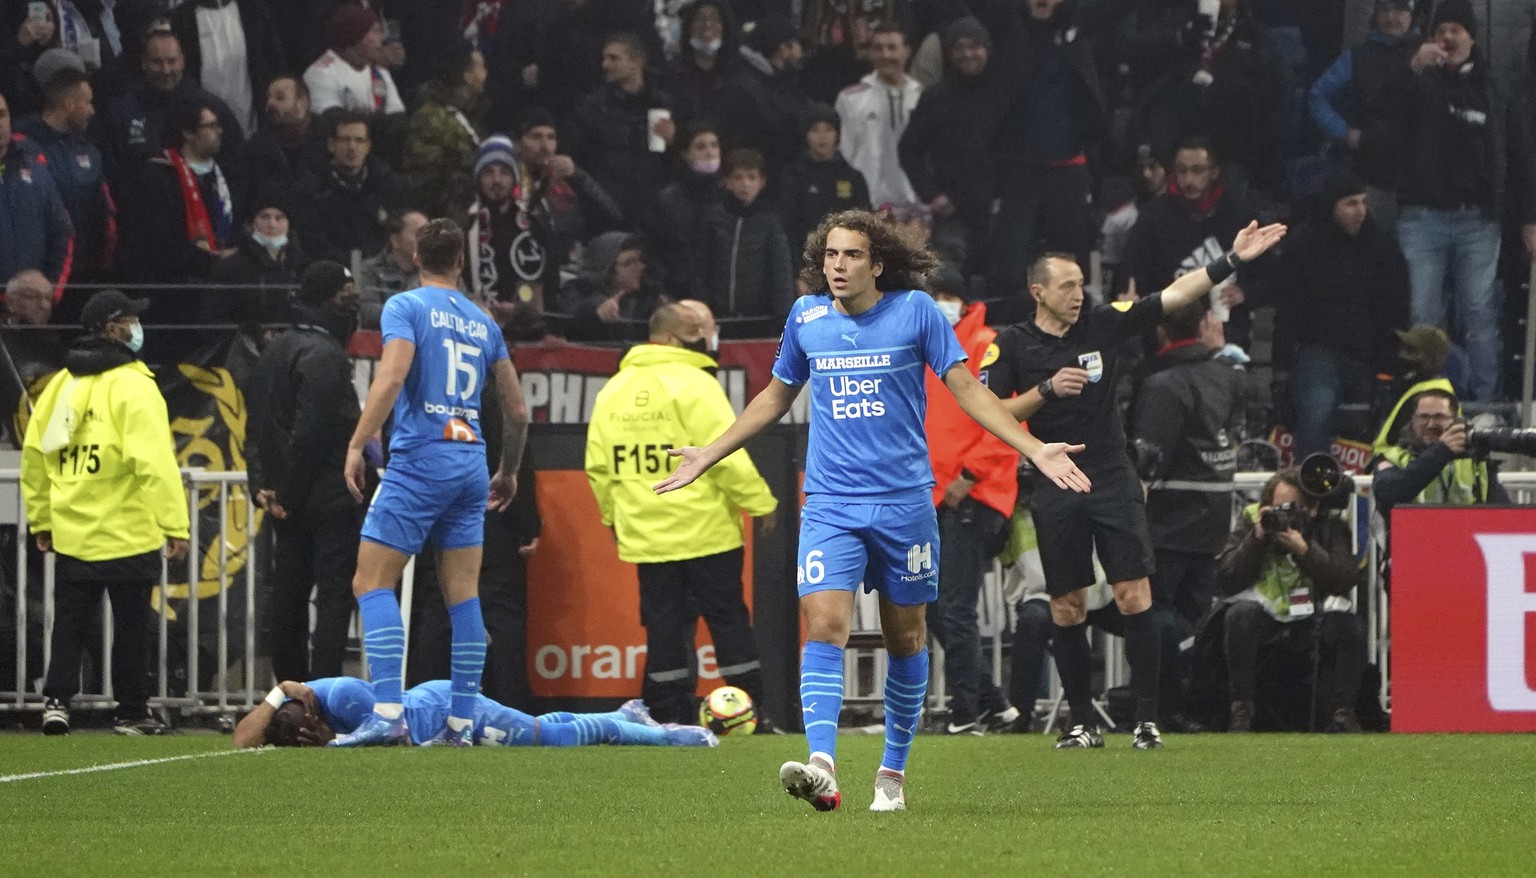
[(906, 262)]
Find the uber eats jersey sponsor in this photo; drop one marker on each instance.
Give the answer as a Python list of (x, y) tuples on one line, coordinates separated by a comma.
[(457, 345), (866, 378)]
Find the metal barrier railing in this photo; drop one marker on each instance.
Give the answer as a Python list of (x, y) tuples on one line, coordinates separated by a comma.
[(221, 564), (206, 487)]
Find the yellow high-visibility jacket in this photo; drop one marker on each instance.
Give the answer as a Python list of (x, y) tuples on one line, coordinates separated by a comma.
[(662, 398), (98, 466)]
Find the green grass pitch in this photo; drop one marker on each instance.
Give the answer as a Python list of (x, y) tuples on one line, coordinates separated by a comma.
[(1205, 805)]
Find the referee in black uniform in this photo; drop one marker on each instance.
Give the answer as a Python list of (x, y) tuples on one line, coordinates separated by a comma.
[(1059, 370)]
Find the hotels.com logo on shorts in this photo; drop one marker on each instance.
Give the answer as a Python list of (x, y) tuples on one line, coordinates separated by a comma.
[(1463, 619)]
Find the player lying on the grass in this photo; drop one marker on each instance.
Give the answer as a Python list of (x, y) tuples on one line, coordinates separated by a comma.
[(311, 714)]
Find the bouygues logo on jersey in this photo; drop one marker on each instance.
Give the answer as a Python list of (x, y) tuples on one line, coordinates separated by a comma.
[(1463, 619), (458, 430)]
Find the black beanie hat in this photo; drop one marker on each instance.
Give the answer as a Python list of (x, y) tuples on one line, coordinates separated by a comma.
[(323, 280), (820, 113), (1458, 11), (1340, 183), (770, 33), (967, 27)]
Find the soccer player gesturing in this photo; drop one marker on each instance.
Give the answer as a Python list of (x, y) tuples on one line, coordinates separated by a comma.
[(869, 514), (1061, 364)]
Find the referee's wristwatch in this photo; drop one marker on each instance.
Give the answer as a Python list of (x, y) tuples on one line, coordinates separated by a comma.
[(1047, 392)]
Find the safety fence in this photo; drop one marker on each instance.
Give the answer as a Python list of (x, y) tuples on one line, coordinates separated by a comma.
[(208, 666)]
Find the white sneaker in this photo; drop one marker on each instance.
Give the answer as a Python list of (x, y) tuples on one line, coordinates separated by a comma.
[(811, 782), (55, 717), (890, 791)]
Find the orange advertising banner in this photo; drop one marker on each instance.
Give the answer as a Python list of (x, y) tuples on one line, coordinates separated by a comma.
[(584, 633)]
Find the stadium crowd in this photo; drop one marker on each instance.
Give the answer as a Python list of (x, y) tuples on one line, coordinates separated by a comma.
[(607, 157)]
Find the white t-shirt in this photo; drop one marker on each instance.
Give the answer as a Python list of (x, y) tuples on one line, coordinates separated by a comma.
[(333, 82), (225, 72)]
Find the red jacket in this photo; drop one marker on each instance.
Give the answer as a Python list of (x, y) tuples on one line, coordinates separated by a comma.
[(956, 442)]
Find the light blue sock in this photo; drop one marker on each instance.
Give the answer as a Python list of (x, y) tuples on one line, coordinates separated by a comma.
[(597, 728), (906, 688), (467, 657), (561, 716), (821, 695), (384, 643)]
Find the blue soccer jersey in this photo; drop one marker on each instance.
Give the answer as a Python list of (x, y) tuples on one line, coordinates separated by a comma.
[(868, 396), (457, 345), (344, 702)]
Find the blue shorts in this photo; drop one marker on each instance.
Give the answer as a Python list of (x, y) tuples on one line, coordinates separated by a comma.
[(441, 497), (426, 714), (891, 548)]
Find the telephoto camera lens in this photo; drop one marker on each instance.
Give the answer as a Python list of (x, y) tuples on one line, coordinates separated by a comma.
[(1506, 440)]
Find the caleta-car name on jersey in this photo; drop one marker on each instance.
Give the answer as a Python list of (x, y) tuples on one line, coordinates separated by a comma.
[(857, 361), (448, 320)]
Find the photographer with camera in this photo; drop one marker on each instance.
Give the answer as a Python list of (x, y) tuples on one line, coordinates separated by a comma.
[(1288, 556), (1438, 458)]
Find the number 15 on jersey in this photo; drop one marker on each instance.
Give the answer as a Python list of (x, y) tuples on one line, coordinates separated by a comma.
[(461, 361)]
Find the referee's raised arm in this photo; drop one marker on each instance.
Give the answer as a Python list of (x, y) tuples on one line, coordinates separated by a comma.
[(1250, 244)]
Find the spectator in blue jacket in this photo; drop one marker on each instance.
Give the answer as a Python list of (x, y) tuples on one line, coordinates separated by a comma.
[(35, 231), (59, 136), (1347, 106)]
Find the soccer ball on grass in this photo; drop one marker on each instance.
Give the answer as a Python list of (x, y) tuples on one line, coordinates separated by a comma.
[(728, 711)]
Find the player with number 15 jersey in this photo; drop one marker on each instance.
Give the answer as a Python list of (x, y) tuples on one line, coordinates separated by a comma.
[(437, 455)]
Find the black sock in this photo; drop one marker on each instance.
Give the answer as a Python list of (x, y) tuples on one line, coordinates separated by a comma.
[(1144, 654), (1070, 646)]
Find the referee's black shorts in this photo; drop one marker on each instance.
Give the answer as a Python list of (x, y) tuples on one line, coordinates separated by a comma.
[(1112, 518)]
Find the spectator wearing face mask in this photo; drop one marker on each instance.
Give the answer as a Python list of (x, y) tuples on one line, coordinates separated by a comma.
[(975, 486), (696, 76), (683, 203), (263, 271), (761, 103)]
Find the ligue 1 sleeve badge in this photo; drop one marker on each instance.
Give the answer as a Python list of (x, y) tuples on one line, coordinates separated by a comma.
[(1093, 362)]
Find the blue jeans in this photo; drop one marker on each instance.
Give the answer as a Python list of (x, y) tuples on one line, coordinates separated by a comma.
[(1457, 251), (1321, 380)]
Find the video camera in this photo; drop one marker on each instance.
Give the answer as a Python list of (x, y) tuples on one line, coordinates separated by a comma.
[(1323, 482), (1507, 440)]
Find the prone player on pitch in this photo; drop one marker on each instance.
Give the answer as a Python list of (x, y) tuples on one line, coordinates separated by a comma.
[(863, 346)]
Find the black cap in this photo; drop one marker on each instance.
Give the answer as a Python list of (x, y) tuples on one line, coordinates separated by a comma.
[(109, 305), (770, 33), (322, 281), (531, 117)]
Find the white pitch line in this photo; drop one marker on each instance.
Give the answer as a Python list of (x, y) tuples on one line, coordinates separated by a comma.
[(114, 766)]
